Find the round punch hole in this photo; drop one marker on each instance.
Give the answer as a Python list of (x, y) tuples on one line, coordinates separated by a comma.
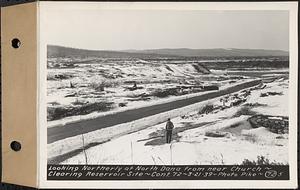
[(15, 145), (15, 43)]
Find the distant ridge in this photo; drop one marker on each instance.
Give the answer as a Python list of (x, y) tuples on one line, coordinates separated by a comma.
[(214, 52), (60, 51)]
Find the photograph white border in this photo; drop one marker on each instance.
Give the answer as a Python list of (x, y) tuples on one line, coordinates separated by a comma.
[(292, 7)]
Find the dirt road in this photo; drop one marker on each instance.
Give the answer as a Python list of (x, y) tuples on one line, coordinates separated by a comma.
[(81, 127)]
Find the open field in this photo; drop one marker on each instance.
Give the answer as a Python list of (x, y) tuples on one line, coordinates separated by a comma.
[(86, 88)]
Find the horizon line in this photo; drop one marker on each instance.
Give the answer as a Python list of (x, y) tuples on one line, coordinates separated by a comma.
[(125, 50)]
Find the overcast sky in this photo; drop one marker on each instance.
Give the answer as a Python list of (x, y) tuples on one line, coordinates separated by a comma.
[(152, 29)]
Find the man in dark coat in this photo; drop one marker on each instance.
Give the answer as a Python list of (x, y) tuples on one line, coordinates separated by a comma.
[(169, 128)]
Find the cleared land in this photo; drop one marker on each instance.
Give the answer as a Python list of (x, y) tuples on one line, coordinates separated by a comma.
[(73, 129), (224, 134)]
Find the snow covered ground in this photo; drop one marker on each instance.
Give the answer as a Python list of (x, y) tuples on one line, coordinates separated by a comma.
[(192, 143), (74, 87), (134, 105)]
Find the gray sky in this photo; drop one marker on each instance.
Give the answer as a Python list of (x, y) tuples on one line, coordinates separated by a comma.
[(151, 29)]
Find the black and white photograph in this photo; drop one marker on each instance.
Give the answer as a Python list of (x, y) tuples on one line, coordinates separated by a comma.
[(168, 87)]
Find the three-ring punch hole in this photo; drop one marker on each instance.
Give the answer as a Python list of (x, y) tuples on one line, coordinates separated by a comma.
[(15, 43), (15, 145)]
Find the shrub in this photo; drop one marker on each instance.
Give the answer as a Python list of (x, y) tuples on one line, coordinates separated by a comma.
[(161, 93), (215, 134), (278, 125), (206, 109), (275, 93), (238, 102), (256, 104), (261, 160), (271, 94), (263, 94), (123, 104), (101, 84), (55, 113), (59, 76)]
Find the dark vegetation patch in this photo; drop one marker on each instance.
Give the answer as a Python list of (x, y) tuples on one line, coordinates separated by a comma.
[(215, 134), (123, 104), (201, 69), (101, 85), (275, 124), (261, 160), (208, 108), (271, 94), (254, 105), (181, 90), (55, 113), (238, 102), (59, 76), (169, 68), (281, 62), (139, 99), (162, 93)]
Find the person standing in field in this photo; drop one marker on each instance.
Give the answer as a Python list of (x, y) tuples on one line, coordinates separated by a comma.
[(169, 128)]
